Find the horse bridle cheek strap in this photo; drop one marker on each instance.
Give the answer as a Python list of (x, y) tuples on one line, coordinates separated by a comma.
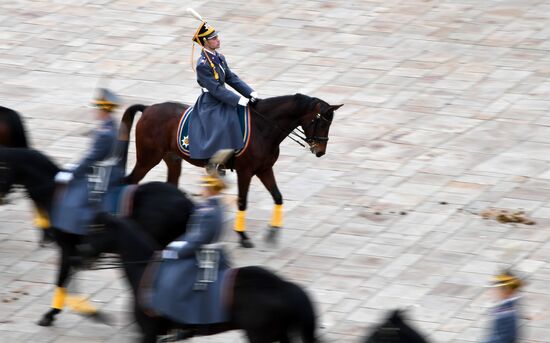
[(315, 122)]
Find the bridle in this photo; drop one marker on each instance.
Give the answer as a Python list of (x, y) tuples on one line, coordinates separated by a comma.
[(315, 139), (297, 132)]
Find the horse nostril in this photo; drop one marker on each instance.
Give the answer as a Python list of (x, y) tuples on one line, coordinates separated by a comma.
[(319, 153)]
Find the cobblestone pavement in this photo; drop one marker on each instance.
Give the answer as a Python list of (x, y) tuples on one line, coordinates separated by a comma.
[(446, 115)]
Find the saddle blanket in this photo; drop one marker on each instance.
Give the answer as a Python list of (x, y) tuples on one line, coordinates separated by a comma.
[(183, 129)]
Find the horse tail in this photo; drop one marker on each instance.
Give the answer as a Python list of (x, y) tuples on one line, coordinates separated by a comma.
[(14, 121), (305, 321), (128, 119), (124, 132)]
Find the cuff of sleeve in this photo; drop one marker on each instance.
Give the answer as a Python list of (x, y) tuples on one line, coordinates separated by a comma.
[(169, 254)]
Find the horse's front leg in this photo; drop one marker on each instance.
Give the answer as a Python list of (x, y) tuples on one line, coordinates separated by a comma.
[(268, 179), (243, 178), (67, 243)]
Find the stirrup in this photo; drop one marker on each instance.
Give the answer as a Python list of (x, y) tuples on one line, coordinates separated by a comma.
[(218, 168)]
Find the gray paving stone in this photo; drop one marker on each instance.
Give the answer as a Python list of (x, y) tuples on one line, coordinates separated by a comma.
[(446, 115)]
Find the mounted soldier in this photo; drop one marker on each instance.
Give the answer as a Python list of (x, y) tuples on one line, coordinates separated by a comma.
[(74, 210), (187, 287), (77, 200), (214, 124)]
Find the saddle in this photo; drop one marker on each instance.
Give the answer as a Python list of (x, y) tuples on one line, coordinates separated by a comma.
[(183, 130)]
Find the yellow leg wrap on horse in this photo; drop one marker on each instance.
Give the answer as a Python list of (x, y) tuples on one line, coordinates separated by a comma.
[(240, 221), (59, 295), (277, 219), (41, 219), (80, 304)]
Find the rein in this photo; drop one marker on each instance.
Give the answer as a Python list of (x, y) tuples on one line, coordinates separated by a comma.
[(298, 132), (114, 262)]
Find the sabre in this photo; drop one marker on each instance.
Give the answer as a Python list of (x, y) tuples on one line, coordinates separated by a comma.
[(194, 14)]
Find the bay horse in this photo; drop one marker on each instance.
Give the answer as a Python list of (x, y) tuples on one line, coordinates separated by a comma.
[(272, 120), (395, 330), (159, 208), (268, 308), (12, 129)]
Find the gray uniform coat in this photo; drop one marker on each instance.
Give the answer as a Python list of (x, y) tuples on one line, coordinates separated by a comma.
[(505, 323), (173, 294), (214, 124), (72, 211)]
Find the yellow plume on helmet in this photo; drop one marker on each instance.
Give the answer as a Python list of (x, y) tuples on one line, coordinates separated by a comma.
[(214, 182), (507, 279)]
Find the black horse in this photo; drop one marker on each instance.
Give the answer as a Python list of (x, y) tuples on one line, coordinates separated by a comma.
[(268, 308), (12, 129), (159, 208), (395, 330)]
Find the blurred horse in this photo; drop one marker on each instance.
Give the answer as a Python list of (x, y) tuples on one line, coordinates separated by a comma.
[(272, 120), (12, 130), (159, 208), (395, 330), (266, 307)]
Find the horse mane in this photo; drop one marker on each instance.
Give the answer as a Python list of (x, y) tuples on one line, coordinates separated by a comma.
[(32, 161), (256, 276), (395, 329), (14, 121), (303, 103)]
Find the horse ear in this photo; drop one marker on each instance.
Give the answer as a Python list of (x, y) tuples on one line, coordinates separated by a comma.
[(396, 316), (335, 107)]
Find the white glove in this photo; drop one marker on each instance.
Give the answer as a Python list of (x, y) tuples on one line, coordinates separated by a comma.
[(176, 244), (63, 177), (169, 255), (254, 95), (243, 101), (69, 166)]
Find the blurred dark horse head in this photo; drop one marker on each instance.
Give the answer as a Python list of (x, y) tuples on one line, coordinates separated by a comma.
[(395, 330), (12, 130)]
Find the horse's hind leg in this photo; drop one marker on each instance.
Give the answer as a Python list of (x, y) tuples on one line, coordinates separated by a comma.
[(268, 179), (173, 163), (147, 156)]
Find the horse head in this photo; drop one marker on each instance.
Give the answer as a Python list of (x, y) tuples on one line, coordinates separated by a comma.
[(28, 168), (316, 123), (7, 177), (395, 330), (12, 129)]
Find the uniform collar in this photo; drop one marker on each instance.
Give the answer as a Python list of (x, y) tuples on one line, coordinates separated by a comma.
[(214, 200), (211, 53), (507, 302), (107, 122)]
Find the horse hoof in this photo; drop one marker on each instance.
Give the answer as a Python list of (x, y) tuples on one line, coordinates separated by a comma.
[(101, 317), (46, 321), (272, 235), (246, 243), (47, 238)]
